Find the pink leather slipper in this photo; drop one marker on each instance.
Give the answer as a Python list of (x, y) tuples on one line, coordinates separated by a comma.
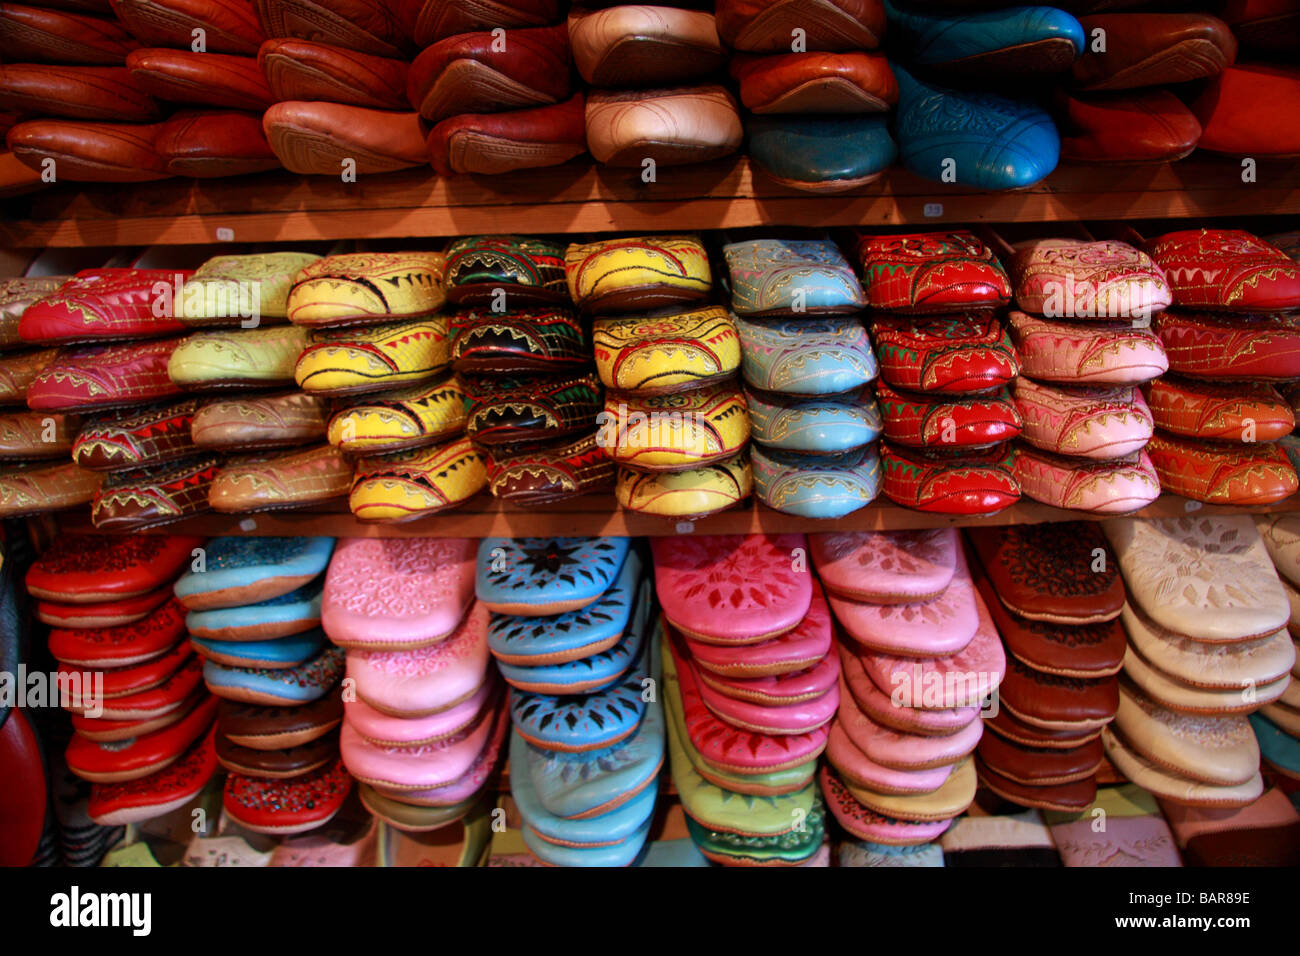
[(939, 627), (795, 650), (886, 567), (425, 680), (733, 589), (941, 683)]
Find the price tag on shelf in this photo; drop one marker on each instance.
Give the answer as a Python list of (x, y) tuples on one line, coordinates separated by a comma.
[(933, 210), (248, 524), (1190, 505), (685, 527), (225, 234)]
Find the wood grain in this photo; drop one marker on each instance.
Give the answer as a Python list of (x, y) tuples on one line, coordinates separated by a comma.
[(484, 517), (580, 197)]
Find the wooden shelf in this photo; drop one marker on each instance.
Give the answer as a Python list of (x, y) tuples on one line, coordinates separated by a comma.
[(485, 517), (580, 197)]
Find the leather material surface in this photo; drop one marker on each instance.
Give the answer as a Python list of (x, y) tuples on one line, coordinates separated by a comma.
[(529, 271), (87, 568), (1178, 569), (816, 486), (693, 493), (965, 482), (1235, 348), (796, 356), (1077, 279), (229, 26), (821, 153), (884, 567), (1083, 422), (414, 484), (1093, 353), (1071, 650), (45, 486), (1048, 572), (151, 437), (1154, 49), (1053, 702), (131, 500), (289, 480), (931, 272), (763, 26), (409, 417), (949, 353), (1134, 126), (317, 138), (102, 304), (15, 296), (105, 376), (90, 152), (26, 435), (260, 421), (1251, 110), (495, 143), (633, 45), (479, 73), (366, 26), (364, 288), (354, 361), (436, 19), (236, 358), (1226, 269), (202, 79), (996, 142), (75, 92), (305, 70), (1115, 486), (713, 425), (503, 411), (19, 369), (799, 277), (1018, 41), (214, 143), (937, 421), (850, 82), (638, 273), (225, 289), (816, 425), (696, 577), (548, 471), (534, 340), (1256, 474), (1222, 411), (32, 34), (682, 125), (437, 578)]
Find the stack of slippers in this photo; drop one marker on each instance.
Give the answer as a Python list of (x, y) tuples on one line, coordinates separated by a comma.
[(1230, 333), (142, 721), (424, 718), (1055, 594), (570, 629), (1277, 725), (662, 346), (808, 365), (1208, 645), (919, 656), (750, 683), (254, 621), (1083, 442), (945, 364), (520, 353)]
